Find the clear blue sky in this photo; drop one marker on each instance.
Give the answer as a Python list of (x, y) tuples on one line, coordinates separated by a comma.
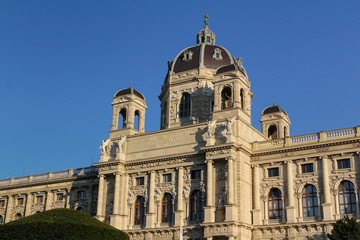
[(62, 61)]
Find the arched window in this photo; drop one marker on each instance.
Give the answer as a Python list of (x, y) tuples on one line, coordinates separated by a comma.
[(163, 115), (122, 119), (1, 219), (275, 204), (139, 216), (18, 216), (196, 206), (285, 134), (185, 105), (310, 201), (167, 208), (242, 100), (272, 132), (347, 200), (136, 120), (226, 98)]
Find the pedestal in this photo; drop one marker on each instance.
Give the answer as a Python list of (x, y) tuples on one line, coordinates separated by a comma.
[(178, 218), (230, 213), (115, 221), (209, 214), (327, 213), (290, 213), (210, 141), (150, 220), (229, 138), (256, 216)]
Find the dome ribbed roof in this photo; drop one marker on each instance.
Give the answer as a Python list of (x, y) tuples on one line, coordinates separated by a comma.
[(273, 109), (129, 90)]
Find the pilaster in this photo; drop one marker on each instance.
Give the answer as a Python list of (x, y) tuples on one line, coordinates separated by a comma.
[(209, 209), (100, 213), (326, 206), (290, 208), (256, 196)]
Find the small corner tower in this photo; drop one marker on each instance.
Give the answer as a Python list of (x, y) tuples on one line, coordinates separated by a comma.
[(129, 108), (275, 122)]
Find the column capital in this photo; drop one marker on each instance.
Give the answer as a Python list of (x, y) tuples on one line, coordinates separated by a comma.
[(289, 161), (209, 161)]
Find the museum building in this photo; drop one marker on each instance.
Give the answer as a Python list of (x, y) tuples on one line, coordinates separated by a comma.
[(207, 173)]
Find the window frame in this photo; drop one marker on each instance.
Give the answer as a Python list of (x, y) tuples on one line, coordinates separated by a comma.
[(167, 177), (80, 194), (270, 170), (196, 174), (344, 200), (139, 211), (196, 206), (140, 181), (311, 200), (185, 105), (339, 163), (304, 167), (275, 213), (167, 208)]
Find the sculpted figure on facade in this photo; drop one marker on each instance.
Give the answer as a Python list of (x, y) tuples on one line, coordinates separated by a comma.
[(104, 145), (121, 142), (210, 127), (186, 191), (228, 126), (157, 194)]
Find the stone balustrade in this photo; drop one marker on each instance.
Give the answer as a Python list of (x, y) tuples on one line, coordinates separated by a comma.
[(307, 139), (50, 176)]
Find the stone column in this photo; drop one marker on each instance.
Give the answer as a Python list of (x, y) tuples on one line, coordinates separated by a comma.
[(130, 117), (326, 206), (209, 210), (142, 122), (152, 212), (230, 208), (9, 207), (49, 198), (115, 119), (256, 196), (180, 200), (117, 193), (236, 95), (29, 200), (100, 212), (67, 203), (290, 209)]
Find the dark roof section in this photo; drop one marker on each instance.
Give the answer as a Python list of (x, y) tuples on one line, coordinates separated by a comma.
[(181, 66), (227, 68), (128, 91), (209, 61), (273, 109)]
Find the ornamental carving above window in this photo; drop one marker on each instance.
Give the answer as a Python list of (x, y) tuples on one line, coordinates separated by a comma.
[(187, 55), (217, 54)]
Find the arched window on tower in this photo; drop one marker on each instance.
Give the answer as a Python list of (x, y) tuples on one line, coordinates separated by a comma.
[(136, 120), (347, 199), (275, 204), (285, 130), (185, 105), (122, 118), (167, 208), (272, 132), (242, 100), (163, 115), (310, 201), (196, 206), (226, 98), (139, 214)]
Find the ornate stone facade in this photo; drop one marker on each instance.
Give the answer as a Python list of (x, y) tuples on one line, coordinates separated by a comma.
[(207, 174)]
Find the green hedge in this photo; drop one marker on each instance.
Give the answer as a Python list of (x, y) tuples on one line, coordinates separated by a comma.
[(60, 224)]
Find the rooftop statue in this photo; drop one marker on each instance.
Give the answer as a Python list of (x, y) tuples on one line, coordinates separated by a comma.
[(206, 20)]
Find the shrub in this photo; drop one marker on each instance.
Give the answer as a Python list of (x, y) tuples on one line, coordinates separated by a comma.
[(60, 224)]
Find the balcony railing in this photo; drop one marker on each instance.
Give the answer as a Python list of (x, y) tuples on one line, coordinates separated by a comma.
[(50, 176), (308, 139)]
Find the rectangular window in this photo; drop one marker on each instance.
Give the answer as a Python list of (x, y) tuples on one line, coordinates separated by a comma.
[(39, 199), (59, 197), (273, 172), (196, 174), (307, 168), (2, 203), (140, 181), (167, 178), (80, 194), (19, 201), (343, 163)]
